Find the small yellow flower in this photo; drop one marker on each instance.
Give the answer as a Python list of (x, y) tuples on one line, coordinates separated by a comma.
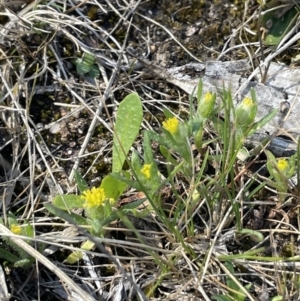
[(94, 197), (16, 229), (146, 170), (282, 164), (248, 102), (171, 125)]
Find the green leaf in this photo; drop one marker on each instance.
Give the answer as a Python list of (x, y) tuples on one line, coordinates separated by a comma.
[(12, 220), (68, 201), (97, 225), (80, 181), (85, 64), (229, 281), (199, 90), (113, 187), (94, 71), (196, 125), (88, 245), (128, 122), (75, 256), (198, 139), (272, 167), (23, 263), (219, 126), (72, 217), (221, 298), (168, 114), (136, 164), (278, 186), (8, 256), (148, 153), (166, 139), (82, 68), (278, 26), (130, 206), (131, 183), (277, 298), (89, 59), (239, 295), (243, 154), (262, 122), (252, 255), (28, 230), (167, 155)]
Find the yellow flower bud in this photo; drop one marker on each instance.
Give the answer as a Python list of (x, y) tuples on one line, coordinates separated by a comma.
[(206, 105), (246, 112)]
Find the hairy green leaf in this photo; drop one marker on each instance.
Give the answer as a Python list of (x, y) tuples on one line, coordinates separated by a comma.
[(128, 122), (68, 201)]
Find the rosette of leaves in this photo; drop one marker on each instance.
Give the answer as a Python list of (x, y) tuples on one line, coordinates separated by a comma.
[(86, 65)]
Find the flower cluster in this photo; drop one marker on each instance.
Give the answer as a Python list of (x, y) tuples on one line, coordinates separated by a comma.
[(94, 197), (96, 203), (16, 229), (146, 170), (171, 125), (282, 164), (247, 102)]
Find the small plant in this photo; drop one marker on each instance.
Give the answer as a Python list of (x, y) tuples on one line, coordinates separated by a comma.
[(100, 203), (86, 65), (281, 170), (236, 290), (24, 229), (176, 137)]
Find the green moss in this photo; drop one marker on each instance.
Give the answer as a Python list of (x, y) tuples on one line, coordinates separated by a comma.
[(92, 12), (288, 250)]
